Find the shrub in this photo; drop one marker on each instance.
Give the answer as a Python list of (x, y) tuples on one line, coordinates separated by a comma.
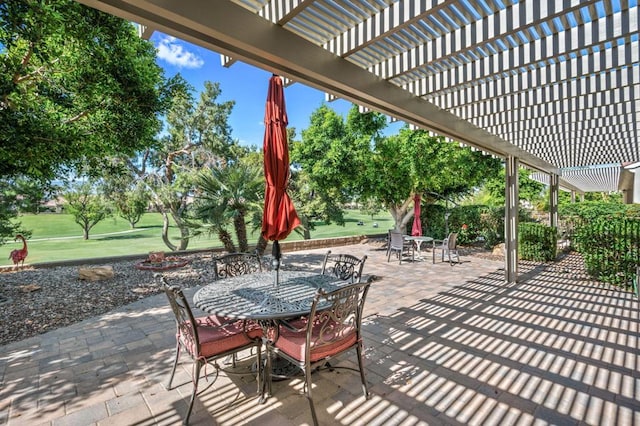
[(537, 241), (610, 247)]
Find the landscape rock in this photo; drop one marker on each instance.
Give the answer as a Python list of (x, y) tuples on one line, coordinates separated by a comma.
[(498, 250), (95, 273)]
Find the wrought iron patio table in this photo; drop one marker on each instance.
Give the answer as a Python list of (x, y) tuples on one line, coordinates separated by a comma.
[(256, 297)]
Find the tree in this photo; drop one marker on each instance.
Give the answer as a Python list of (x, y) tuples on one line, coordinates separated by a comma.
[(371, 207), (76, 85), (528, 189), (198, 136), (232, 192), (9, 227), (323, 162), (413, 162), (132, 204), (353, 159), (86, 207)]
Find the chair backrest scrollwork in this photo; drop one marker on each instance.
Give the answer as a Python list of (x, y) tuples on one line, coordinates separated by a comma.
[(345, 267), (336, 316), (236, 264)]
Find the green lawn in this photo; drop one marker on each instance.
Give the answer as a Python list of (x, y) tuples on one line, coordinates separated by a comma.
[(57, 237)]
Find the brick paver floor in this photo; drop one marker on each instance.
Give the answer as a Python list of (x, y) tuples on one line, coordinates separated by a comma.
[(444, 345)]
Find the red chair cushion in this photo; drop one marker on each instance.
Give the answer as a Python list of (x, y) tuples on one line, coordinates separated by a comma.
[(294, 343), (216, 338)]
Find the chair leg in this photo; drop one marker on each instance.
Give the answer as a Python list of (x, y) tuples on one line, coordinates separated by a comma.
[(365, 388), (307, 377), (259, 368), (196, 377), (175, 365)]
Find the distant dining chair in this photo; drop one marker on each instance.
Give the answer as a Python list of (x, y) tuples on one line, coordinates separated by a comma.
[(332, 327), (236, 264), (448, 246), (398, 245), (345, 267), (208, 339)]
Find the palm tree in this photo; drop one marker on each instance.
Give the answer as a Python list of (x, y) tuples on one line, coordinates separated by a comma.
[(228, 195)]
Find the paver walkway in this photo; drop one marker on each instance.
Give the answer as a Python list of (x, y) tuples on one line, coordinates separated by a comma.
[(444, 345)]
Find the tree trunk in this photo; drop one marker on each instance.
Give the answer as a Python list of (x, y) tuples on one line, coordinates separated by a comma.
[(85, 229), (227, 241), (402, 214), (241, 231), (184, 236), (306, 234), (184, 230), (261, 246), (165, 231)]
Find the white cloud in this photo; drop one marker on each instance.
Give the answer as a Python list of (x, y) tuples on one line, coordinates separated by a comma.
[(174, 53)]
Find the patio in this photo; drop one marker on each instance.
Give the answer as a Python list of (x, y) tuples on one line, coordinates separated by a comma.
[(444, 345)]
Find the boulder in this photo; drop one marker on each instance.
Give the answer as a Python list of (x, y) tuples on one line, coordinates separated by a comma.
[(498, 250), (95, 273)]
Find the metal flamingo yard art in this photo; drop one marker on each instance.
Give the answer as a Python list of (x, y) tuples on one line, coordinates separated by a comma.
[(18, 256)]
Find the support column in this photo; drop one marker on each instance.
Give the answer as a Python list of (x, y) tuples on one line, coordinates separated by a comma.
[(573, 197), (554, 181), (511, 219)]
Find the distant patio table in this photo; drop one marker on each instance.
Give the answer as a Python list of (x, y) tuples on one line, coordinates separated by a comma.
[(418, 240)]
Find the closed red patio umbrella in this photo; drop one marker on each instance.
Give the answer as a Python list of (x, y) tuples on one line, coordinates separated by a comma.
[(279, 217), (416, 229)]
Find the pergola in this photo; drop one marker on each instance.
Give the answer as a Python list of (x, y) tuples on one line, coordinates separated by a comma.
[(553, 85)]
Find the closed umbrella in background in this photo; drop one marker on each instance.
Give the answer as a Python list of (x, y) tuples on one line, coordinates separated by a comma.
[(279, 217), (416, 229)]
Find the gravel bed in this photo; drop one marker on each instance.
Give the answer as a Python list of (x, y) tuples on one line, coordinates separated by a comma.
[(36, 300)]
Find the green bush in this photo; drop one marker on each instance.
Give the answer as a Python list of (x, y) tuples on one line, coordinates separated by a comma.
[(432, 216), (466, 221), (473, 223), (537, 241), (610, 247)]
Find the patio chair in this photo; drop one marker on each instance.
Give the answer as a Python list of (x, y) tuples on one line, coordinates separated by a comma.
[(343, 266), (398, 245), (207, 339), (332, 328), (235, 264), (447, 246)]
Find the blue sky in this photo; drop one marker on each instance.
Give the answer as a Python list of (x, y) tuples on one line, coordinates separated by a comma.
[(245, 84)]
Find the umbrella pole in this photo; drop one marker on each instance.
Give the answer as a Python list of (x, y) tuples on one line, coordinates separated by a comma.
[(275, 251)]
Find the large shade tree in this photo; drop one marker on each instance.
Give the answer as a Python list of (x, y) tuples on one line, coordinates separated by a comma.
[(413, 162), (353, 159), (76, 85)]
